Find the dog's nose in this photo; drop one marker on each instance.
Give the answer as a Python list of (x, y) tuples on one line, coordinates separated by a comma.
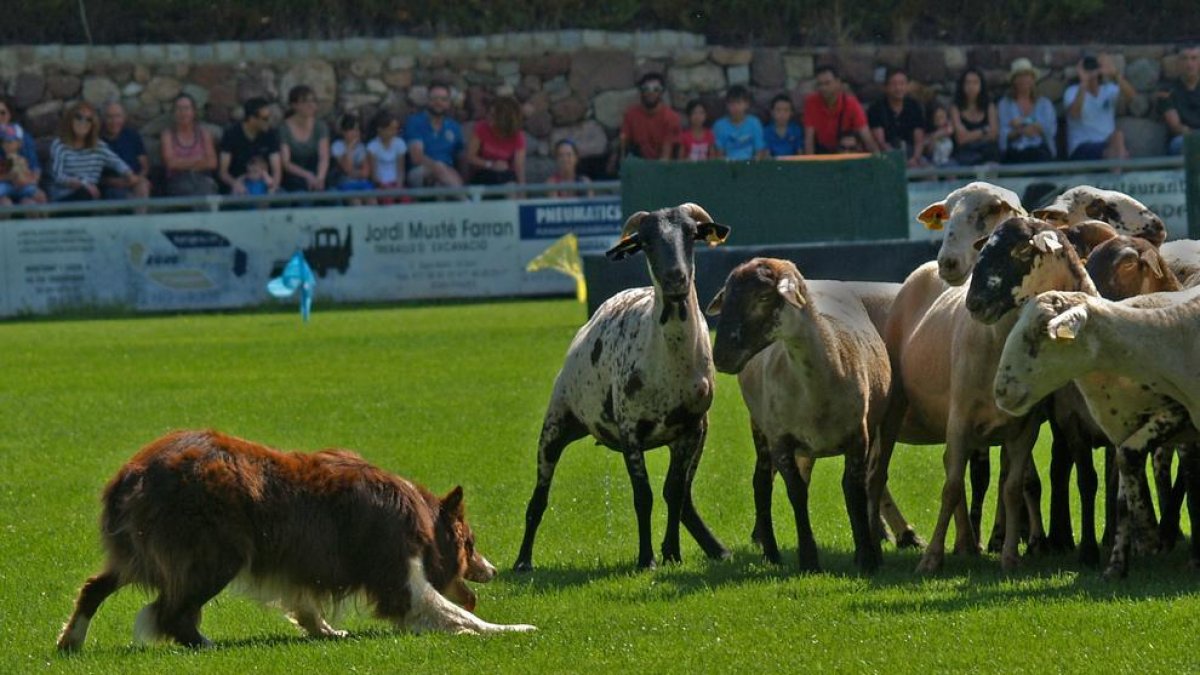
[(489, 570)]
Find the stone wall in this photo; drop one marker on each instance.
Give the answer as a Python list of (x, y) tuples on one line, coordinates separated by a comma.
[(572, 83)]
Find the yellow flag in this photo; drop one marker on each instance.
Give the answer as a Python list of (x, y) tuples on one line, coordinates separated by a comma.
[(563, 256)]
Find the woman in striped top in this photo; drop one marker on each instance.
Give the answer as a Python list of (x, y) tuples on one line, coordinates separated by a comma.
[(78, 157)]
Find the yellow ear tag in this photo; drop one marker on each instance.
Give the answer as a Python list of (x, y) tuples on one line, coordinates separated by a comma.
[(713, 238), (933, 222)]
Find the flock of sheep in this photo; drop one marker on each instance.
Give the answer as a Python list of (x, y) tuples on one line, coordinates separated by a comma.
[(1078, 314)]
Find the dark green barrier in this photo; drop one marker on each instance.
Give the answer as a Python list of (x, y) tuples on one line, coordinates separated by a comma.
[(777, 202), (1191, 153), (858, 261)]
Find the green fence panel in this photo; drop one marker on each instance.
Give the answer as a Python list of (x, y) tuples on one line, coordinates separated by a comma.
[(1191, 174), (778, 202)]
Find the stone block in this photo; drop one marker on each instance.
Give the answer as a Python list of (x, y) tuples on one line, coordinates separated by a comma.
[(126, 53), (1144, 73), (690, 57), (726, 56), (609, 108), (316, 74), (29, 89), (738, 75), (767, 69), (546, 66), (927, 64), (63, 86), (1143, 137), (275, 50), (97, 90), (179, 53), (48, 53), (601, 70), (798, 67), (589, 138), (367, 66)]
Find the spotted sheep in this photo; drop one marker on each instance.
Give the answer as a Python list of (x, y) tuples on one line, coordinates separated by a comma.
[(1085, 202), (1029, 257), (637, 376), (814, 374), (1143, 398)]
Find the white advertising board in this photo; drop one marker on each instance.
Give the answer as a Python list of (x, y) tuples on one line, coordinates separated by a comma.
[(1164, 192), (212, 260)]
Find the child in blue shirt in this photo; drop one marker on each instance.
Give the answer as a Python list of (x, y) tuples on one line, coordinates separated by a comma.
[(739, 136), (783, 137)]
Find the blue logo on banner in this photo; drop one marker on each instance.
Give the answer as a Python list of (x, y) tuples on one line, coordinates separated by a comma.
[(584, 217)]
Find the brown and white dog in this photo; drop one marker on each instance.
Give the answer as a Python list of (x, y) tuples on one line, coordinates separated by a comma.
[(194, 510)]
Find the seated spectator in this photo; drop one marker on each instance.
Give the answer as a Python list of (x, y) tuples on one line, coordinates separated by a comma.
[(696, 143), (435, 142), (831, 111), (257, 179), (1028, 125), (1092, 110), (386, 154), (127, 144), (976, 126), (78, 157), (566, 159), (251, 137), (17, 182), (1181, 110), (303, 143), (188, 153), (897, 121), (351, 165), (8, 115), (939, 142), (739, 136), (649, 126), (783, 136), (497, 148), (849, 144)]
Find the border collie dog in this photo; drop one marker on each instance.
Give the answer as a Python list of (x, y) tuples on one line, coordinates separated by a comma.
[(195, 510)]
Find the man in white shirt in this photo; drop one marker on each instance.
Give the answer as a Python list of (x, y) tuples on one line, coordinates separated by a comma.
[(1092, 110)]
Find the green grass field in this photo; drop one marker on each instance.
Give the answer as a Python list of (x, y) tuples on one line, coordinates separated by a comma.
[(455, 394)]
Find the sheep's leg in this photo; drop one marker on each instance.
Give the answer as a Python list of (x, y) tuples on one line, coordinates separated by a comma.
[(764, 480), (712, 547), (867, 552), (643, 505), (995, 541), (880, 457), (1063, 454), (1088, 483), (980, 464), (1189, 469), (1032, 528), (1111, 499), (559, 430), (1019, 450), (1168, 506), (954, 460), (797, 489)]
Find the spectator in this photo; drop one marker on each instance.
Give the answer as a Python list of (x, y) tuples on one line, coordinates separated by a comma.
[(696, 143), (497, 148), (189, 154), (783, 136), (16, 180), (248, 138), (1182, 109), (1027, 121), (739, 136), (976, 126), (650, 126), (831, 111), (8, 115), (352, 167), (303, 143), (78, 157), (897, 121), (258, 180), (386, 152), (128, 145), (939, 142), (1092, 110), (566, 158), (849, 144), (435, 142)]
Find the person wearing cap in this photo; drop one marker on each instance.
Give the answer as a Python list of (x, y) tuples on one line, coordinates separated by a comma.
[(18, 184), (1092, 131), (1028, 125), (1181, 109), (650, 126)]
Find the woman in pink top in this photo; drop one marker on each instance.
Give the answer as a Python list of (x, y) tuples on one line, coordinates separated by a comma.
[(497, 148), (188, 153)]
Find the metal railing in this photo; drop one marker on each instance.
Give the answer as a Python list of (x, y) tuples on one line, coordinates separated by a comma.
[(993, 170), (328, 198)]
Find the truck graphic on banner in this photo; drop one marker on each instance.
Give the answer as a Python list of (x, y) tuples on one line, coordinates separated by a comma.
[(197, 260), (328, 250)]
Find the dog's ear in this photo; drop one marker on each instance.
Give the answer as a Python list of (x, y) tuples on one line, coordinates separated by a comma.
[(452, 503)]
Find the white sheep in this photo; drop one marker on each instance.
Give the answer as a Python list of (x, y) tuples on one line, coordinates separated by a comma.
[(1085, 202), (814, 374), (637, 376), (1137, 363)]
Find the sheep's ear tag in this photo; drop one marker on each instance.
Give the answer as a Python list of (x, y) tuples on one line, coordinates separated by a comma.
[(716, 234), (934, 216), (787, 288), (1066, 326), (1046, 241)]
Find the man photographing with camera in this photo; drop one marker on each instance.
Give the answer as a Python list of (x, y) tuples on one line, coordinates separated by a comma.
[(1092, 110)]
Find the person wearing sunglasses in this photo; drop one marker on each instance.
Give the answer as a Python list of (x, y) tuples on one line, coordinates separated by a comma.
[(435, 142), (78, 157), (253, 136), (650, 126)]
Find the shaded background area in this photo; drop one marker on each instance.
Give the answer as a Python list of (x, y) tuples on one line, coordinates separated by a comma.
[(759, 22)]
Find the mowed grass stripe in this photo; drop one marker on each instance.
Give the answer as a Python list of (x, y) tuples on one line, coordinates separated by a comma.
[(452, 395)]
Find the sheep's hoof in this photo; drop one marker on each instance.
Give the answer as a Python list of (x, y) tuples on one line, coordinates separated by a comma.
[(1194, 564), (909, 539), (1010, 562), (809, 566), (721, 553), (1043, 546), (772, 557), (995, 544), (647, 563), (523, 566), (930, 562), (868, 560), (1116, 572), (1147, 544), (1089, 553)]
